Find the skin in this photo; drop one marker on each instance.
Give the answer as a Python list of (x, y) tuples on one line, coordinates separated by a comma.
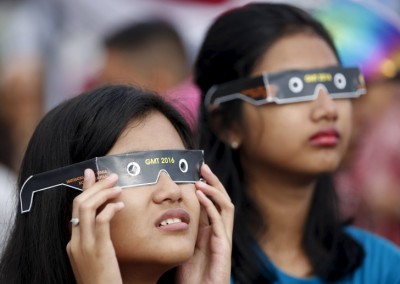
[(275, 141), (22, 91), (158, 66), (118, 239)]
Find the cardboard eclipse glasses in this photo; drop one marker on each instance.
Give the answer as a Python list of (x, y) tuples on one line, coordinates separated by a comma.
[(134, 169), (290, 86)]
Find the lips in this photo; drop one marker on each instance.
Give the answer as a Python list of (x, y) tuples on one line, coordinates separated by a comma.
[(328, 137), (173, 220)]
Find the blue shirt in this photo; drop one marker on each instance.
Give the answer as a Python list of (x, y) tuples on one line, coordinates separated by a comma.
[(381, 263)]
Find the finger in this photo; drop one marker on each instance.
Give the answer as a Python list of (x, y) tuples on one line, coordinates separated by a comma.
[(222, 202), (103, 220), (212, 179), (89, 179), (89, 209), (219, 197), (213, 214), (108, 182), (90, 187), (86, 204)]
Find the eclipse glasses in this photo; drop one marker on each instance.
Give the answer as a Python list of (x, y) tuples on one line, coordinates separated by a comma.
[(290, 86), (133, 169)]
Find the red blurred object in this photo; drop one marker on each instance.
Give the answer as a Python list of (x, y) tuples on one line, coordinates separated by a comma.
[(203, 1)]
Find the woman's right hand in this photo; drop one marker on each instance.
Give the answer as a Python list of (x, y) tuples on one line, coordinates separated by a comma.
[(90, 250)]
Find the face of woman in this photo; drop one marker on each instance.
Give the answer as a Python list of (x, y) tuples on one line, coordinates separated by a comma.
[(308, 137), (139, 232)]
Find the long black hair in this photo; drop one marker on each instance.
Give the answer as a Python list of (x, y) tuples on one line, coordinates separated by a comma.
[(82, 128), (233, 46)]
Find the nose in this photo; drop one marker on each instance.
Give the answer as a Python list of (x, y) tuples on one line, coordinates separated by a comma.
[(324, 107), (167, 190)]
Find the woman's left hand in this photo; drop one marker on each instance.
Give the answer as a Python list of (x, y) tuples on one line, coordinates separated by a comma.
[(211, 262)]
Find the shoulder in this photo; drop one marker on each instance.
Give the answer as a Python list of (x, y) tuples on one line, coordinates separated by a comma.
[(371, 241), (381, 257)]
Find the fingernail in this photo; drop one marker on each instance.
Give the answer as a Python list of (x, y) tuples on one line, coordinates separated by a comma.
[(206, 168), (117, 189), (119, 205), (112, 176), (86, 174), (200, 184)]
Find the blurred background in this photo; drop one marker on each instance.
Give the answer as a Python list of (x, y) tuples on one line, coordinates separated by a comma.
[(52, 50)]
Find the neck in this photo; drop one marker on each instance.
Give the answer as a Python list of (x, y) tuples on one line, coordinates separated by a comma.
[(284, 200)]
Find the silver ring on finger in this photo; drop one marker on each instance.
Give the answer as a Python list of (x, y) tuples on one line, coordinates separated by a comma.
[(74, 221)]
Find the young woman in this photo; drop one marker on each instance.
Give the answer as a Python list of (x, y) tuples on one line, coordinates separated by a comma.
[(274, 123), (163, 230)]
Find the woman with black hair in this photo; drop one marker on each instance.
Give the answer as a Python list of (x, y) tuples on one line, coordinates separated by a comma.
[(274, 124), (143, 214)]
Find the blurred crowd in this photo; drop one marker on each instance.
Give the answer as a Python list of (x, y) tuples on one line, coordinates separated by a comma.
[(51, 50)]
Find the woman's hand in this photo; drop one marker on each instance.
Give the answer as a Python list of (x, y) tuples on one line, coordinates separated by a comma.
[(211, 262), (90, 249)]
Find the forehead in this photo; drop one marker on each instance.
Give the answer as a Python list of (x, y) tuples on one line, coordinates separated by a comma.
[(296, 51), (154, 132)]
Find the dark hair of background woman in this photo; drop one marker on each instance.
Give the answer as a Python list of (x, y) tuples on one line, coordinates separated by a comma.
[(82, 128), (231, 49)]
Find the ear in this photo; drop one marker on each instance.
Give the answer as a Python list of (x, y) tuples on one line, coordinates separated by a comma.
[(233, 138), (229, 132)]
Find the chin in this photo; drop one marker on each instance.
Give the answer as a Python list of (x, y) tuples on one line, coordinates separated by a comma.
[(177, 249), (326, 169), (177, 256), (317, 169), (328, 162), (166, 250), (167, 257)]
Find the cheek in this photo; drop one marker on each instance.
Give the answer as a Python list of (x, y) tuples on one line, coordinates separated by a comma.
[(345, 122), (130, 225), (191, 202), (271, 127)]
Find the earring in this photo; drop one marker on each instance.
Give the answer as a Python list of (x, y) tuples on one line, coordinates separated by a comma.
[(235, 145)]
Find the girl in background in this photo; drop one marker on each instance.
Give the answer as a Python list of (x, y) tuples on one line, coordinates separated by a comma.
[(273, 142)]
